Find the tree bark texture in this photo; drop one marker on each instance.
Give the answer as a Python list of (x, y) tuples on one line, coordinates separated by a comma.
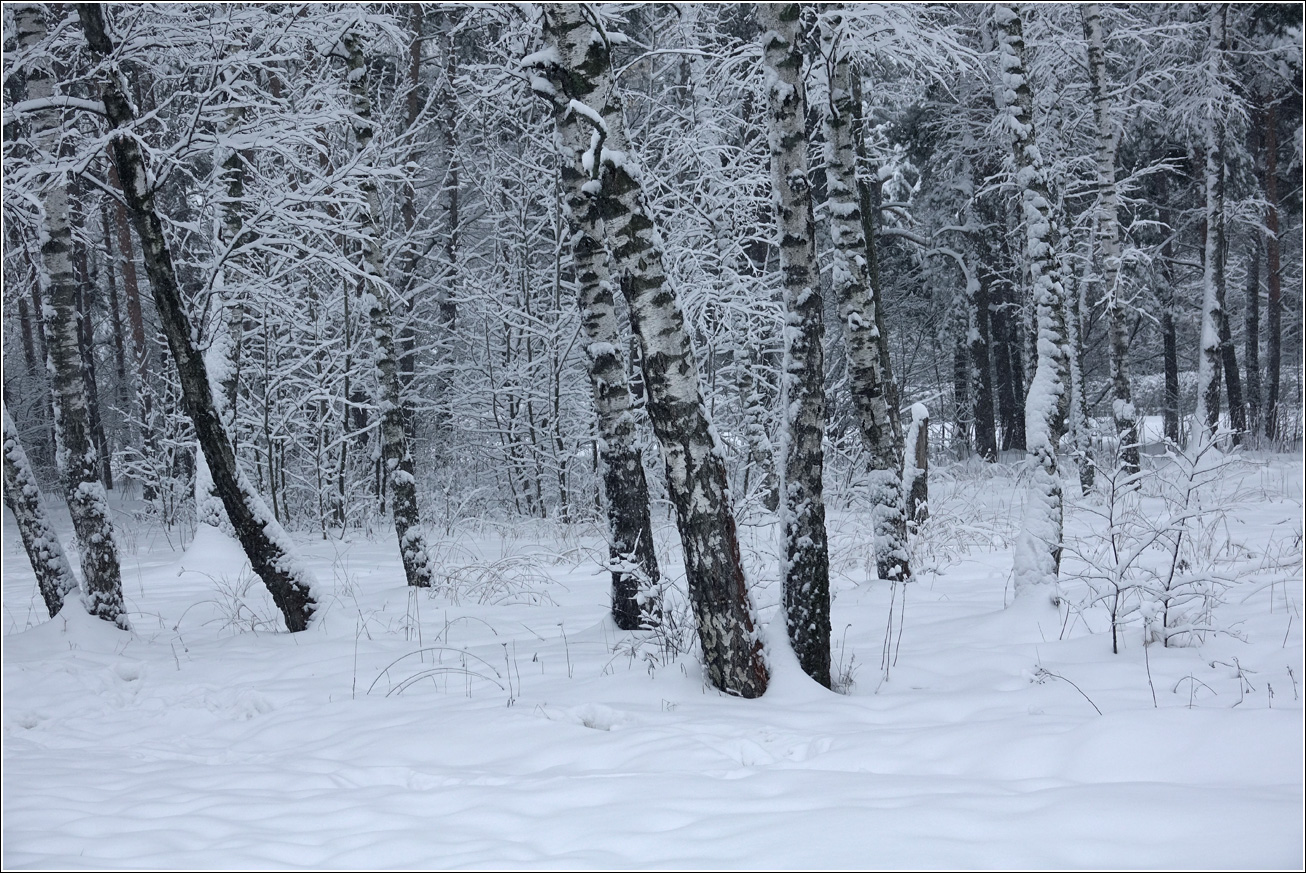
[(1273, 279), (78, 460), (1210, 360), (635, 575), (54, 575), (696, 473), (376, 292), (265, 543), (1107, 223), (807, 561), (1252, 342), (1038, 548), (857, 292)]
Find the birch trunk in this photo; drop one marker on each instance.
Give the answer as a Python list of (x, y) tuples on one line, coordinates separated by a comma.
[(76, 455), (1038, 548), (1209, 361), (635, 575), (857, 292), (1107, 222), (807, 561), (265, 543), (376, 292), (696, 474), (54, 575)]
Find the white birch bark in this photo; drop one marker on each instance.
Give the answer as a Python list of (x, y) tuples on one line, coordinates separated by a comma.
[(858, 301), (1038, 547), (77, 458), (1209, 362), (806, 559), (696, 474), (375, 291), (635, 575), (1107, 223), (54, 575)]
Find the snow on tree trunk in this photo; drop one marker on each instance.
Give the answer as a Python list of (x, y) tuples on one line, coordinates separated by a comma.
[(635, 576), (54, 575), (916, 465), (78, 460), (802, 393), (266, 545), (1038, 548), (1209, 362), (858, 297), (376, 292), (696, 473), (1108, 241)]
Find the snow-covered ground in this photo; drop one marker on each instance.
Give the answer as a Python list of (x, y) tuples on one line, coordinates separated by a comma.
[(502, 720)]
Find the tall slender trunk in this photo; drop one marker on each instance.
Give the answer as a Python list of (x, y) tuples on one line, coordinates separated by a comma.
[(1252, 341), (986, 437), (807, 561), (696, 473), (1209, 362), (1169, 333), (635, 574), (115, 306), (78, 460), (265, 543), (857, 290), (1038, 548), (1010, 371), (86, 293), (376, 293), (1232, 381), (54, 575), (1273, 280), (1107, 224)]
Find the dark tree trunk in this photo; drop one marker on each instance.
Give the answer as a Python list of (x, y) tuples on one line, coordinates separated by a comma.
[(265, 544), (1273, 281), (1252, 342), (115, 309), (54, 575), (986, 438), (1010, 373), (1232, 382)]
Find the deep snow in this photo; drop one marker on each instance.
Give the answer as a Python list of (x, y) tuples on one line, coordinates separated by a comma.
[(502, 721)]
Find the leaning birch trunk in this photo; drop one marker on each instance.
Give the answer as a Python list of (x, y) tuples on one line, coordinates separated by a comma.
[(696, 473), (265, 543), (859, 304), (54, 575), (78, 460), (375, 292), (1108, 240), (1038, 548), (635, 576), (1209, 358), (802, 393)]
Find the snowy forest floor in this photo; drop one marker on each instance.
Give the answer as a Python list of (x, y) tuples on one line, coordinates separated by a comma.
[(502, 721)]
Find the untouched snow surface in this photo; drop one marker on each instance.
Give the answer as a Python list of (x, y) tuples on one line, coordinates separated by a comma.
[(502, 721)]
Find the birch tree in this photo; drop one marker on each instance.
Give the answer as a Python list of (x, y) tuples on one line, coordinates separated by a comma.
[(375, 293), (635, 574), (802, 396), (78, 460), (1107, 224), (1210, 360), (695, 468), (859, 305), (1038, 547), (54, 575)]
